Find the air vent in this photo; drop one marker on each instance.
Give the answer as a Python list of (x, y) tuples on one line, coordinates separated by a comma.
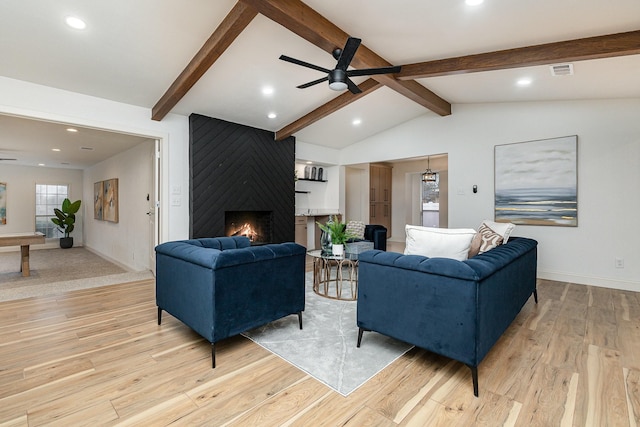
[(561, 70), (3, 158), (87, 148)]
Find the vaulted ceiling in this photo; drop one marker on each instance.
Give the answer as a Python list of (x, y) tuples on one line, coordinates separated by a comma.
[(216, 57)]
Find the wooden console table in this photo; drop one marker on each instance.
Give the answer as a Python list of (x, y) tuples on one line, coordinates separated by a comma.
[(23, 240)]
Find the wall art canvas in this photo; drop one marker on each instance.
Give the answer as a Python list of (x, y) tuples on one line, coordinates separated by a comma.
[(3, 203), (97, 199), (110, 200), (536, 182)]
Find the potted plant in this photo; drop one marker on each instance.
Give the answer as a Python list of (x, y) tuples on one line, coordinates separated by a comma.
[(65, 220), (339, 235)]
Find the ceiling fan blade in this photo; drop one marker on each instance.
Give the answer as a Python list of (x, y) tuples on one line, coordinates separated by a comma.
[(353, 88), (372, 71), (348, 52), (302, 63), (315, 82)]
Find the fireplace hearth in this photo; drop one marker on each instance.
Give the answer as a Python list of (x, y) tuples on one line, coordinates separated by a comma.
[(256, 225)]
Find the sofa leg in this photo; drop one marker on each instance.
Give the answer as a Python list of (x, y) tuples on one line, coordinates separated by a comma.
[(360, 331), (474, 377), (159, 315), (535, 295), (213, 355), (300, 319)]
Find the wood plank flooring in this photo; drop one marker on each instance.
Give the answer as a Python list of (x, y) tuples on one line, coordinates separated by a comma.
[(97, 357)]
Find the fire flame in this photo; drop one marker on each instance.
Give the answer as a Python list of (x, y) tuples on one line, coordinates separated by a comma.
[(245, 230)]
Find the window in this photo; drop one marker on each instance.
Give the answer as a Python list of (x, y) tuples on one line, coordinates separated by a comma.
[(48, 197)]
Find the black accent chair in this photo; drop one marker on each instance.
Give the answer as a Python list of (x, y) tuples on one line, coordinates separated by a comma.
[(376, 234)]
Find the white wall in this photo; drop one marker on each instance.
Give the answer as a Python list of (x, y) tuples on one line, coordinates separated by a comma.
[(30, 100), (608, 176), (21, 195), (128, 241)]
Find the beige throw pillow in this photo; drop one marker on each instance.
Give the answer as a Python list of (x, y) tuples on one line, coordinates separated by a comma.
[(355, 229)]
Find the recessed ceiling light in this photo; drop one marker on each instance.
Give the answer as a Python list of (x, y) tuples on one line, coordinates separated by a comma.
[(473, 2), (272, 115), (40, 164), (75, 23), (267, 90), (55, 149), (72, 130), (356, 122), (524, 82)]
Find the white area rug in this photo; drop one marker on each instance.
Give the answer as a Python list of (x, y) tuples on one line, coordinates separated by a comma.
[(326, 346)]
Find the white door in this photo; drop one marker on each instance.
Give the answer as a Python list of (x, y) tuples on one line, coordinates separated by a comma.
[(153, 199)]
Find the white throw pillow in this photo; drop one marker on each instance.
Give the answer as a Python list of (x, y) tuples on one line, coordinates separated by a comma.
[(502, 228), (439, 242)]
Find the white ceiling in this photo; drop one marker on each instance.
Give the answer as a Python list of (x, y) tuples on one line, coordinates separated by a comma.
[(131, 52)]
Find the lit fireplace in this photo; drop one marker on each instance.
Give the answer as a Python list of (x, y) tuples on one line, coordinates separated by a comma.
[(256, 225)]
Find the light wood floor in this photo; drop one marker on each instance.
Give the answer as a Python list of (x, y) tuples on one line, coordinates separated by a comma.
[(97, 357)]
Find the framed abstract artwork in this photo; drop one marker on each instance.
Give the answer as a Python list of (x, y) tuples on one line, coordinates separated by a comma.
[(536, 182), (97, 199), (3, 203), (110, 200)]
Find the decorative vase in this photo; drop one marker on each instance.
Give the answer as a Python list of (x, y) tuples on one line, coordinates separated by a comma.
[(66, 242), (325, 242), (338, 250)]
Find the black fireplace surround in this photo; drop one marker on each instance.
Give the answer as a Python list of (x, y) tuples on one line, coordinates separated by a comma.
[(234, 169)]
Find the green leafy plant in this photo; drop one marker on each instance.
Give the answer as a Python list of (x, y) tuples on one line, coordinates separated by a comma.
[(338, 232), (66, 216)]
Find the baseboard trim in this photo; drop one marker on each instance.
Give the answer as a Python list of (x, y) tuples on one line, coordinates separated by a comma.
[(604, 282), (111, 260)]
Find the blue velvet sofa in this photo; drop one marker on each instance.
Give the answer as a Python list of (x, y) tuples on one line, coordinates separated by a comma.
[(458, 309), (223, 286)]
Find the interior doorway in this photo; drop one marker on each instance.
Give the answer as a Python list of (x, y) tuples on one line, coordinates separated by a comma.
[(144, 177)]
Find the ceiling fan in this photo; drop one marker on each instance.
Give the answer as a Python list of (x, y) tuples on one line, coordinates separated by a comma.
[(339, 77)]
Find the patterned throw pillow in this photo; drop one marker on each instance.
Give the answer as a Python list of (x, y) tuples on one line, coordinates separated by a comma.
[(489, 238), (356, 229)]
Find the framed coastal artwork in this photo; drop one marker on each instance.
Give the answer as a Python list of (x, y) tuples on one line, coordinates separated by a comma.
[(536, 182)]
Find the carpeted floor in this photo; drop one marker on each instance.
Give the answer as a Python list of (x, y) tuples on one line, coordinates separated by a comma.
[(326, 346), (59, 270)]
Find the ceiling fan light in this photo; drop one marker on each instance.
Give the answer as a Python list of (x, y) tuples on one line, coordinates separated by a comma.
[(339, 86), (338, 79)]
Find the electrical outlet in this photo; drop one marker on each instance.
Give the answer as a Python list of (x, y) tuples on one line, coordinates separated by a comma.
[(619, 262)]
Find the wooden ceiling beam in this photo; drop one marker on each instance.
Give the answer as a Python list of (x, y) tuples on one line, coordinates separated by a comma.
[(232, 25), (330, 107), (302, 20), (606, 46)]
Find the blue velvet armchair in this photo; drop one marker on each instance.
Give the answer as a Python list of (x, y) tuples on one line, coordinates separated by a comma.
[(220, 287)]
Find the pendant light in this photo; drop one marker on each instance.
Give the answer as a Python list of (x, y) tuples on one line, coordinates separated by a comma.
[(428, 175)]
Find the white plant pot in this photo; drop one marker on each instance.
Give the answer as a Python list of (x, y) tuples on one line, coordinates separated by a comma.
[(337, 250)]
